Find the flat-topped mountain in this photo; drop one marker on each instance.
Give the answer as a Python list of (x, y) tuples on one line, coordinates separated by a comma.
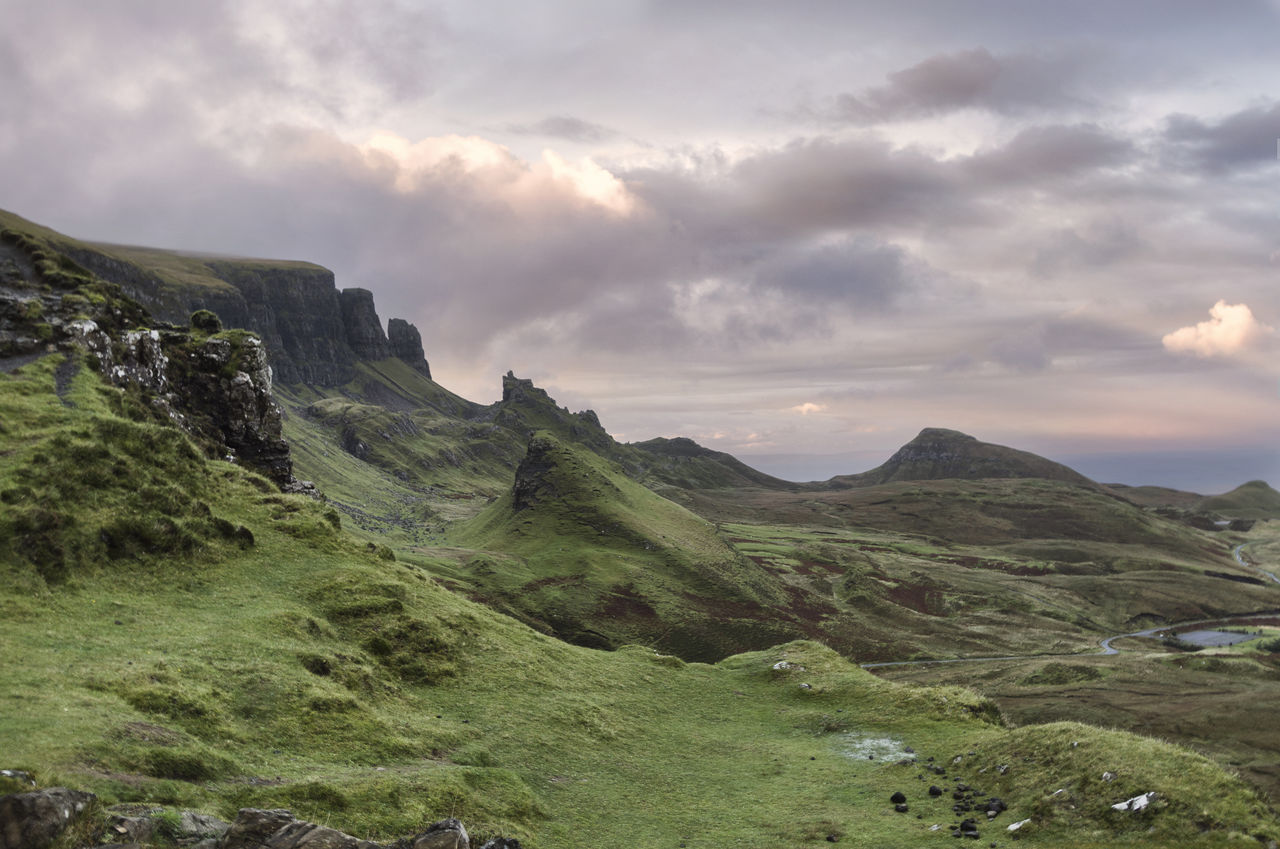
[(938, 454)]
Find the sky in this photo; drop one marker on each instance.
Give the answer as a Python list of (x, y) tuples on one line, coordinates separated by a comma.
[(798, 232)]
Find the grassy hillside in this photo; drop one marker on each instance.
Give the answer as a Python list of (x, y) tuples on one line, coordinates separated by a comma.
[(1252, 500), (294, 666), (590, 554), (938, 454)]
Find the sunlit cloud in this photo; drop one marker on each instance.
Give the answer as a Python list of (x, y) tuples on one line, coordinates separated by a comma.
[(808, 407), (418, 165), (1230, 329)]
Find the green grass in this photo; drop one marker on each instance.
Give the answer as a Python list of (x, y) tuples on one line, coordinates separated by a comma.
[(1252, 500), (307, 671)]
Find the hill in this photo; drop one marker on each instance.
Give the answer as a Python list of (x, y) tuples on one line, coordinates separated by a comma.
[(937, 454), (1157, 496), (1252, 500), (596, 558)]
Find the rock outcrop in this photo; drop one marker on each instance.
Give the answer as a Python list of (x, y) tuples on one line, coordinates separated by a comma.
[(216, 385), (279, 829), (34, 820), (362, 325), (406, 344)]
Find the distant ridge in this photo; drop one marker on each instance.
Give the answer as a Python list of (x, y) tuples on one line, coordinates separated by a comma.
[(937, 454)]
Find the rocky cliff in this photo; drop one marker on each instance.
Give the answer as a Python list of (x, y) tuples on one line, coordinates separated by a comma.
[(214, 383), (314, 333), (406, 344), (362, 325)]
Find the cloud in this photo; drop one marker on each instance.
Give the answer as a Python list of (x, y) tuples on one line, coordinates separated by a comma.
[(967, 79), (1243, 140), (1042, 152), (808, 407), (1230, 329), (565, 127), (859, 271)]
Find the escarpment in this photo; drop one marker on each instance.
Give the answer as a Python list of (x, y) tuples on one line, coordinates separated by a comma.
[(314, 333), (214, 383)]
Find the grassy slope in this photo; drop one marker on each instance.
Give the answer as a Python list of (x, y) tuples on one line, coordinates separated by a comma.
[(953, 567), (1252, 500), (1072, 553), (306, 671), (938, 453), (598, 553)]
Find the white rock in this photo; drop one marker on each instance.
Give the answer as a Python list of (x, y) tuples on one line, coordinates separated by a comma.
[(1014, 826), (1137, 803)]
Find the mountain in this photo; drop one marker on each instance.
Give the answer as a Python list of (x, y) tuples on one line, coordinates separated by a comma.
[(937, 454)]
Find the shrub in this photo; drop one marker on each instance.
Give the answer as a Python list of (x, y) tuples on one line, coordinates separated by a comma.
[(206, 321)]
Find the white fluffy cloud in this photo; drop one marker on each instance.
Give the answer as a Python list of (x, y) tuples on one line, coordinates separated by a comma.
[(808, 407), (1230, 329)]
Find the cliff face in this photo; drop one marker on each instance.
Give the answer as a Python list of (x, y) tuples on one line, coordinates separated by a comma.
[(213, 383), (313, 333), (297, 313), (406, 344), (363, 327)]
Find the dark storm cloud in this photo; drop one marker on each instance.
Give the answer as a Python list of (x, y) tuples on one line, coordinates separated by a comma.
[(1244, 140), (565, 127), (969, 79)]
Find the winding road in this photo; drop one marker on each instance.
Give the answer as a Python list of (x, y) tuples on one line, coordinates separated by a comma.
[(1105, 645)]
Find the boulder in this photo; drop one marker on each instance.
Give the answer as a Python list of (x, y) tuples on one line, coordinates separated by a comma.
[(34, 820), (279, 829), (197, 825), (446, 834)]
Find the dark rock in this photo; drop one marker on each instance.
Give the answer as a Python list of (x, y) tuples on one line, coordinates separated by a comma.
[(935, 790), (278, 829), (533, 483), (898, 797), (254, 826), (34, 820), (193, 824), (901, 808), (406, 344), (362, 326), (446, 834), (995, 806)]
